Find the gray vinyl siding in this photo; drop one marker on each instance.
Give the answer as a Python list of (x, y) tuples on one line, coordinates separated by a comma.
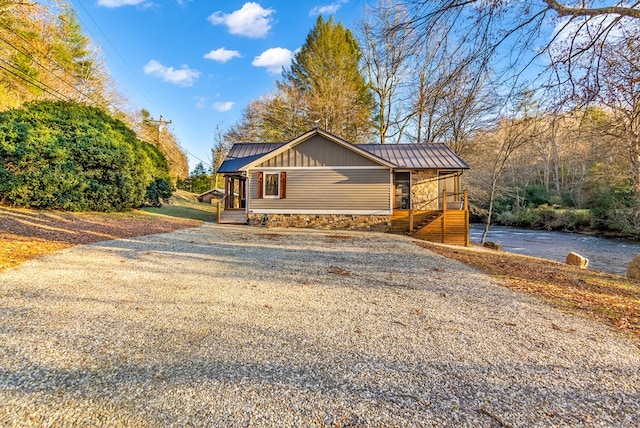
[(317, 152), (328, 190)]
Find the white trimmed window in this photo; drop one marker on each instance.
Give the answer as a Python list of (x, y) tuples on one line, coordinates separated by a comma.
[(271, 185)]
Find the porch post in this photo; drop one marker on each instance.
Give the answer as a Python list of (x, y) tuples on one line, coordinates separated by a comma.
[(444, 216), (241, 194), (232, 192), (467, 238), (410, 221), (226, 191)]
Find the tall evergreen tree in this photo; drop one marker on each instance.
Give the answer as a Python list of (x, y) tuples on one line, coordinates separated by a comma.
[(325, 74), (324, 87), (45, 55)]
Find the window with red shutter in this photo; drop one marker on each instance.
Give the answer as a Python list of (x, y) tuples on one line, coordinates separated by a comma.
[(260, 184), (283, 185)]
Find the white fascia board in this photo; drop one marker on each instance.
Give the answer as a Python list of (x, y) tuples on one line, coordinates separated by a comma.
[(325, 168), (320, 212)]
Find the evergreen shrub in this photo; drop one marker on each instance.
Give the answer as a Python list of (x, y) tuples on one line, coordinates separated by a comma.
[(70, 156)]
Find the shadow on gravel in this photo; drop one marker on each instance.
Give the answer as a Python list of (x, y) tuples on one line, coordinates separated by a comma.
[(148, 327)]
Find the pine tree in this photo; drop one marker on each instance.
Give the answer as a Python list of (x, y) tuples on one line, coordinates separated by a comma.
[(326, 76)]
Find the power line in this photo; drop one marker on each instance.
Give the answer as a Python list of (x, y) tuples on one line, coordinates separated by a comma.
[(132, 74), (117, 53), (89, 96), (35, 60), (46, 89)]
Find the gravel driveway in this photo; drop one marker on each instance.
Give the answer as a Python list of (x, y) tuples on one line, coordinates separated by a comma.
[(238, 326)]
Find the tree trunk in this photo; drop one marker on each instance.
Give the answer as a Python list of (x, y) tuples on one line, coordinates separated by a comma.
[(635, 164), (487, 224)]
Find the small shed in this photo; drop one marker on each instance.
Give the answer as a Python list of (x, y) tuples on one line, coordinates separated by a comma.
[(211, 196)]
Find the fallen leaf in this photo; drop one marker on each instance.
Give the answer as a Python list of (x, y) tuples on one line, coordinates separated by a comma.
[(339, 271)]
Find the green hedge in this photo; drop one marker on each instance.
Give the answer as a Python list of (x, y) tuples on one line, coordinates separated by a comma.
[(70, 156)]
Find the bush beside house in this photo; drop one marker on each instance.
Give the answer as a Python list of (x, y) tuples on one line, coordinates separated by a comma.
[(69, 156)]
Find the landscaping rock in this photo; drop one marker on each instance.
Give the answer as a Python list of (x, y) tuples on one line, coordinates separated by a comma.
[(633, 270), (575, 259), (493, 245)]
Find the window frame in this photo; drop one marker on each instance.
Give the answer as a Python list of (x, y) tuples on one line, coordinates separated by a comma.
[(264, 185)]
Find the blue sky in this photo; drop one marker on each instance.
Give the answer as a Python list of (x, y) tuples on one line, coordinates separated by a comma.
[(198, 63)]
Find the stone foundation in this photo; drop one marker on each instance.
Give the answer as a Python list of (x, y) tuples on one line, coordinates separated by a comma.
[(378, 223)]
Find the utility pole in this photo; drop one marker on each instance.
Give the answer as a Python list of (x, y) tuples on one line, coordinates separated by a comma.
[(159, 123)]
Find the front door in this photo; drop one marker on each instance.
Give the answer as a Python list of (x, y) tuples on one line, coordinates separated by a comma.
[(402, 191)]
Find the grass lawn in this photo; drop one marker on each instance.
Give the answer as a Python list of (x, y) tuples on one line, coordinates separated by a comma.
[(185, 205)]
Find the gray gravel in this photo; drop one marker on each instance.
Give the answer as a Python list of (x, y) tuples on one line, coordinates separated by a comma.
[(238, 326)]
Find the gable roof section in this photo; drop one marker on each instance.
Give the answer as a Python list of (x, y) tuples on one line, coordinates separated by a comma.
[(284, 147), (417, 156), (244, 156)]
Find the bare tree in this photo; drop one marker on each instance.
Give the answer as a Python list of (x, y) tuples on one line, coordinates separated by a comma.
[(516, 29), (218, 153), (494, 149), (388, 58), (248, 128), (620, 93)]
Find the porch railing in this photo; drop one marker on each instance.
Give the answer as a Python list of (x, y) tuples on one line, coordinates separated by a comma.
[(455, 212)]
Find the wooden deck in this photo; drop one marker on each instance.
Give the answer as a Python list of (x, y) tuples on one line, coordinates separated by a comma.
[(447, 226)]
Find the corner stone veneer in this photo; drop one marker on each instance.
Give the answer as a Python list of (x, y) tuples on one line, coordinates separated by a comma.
[(424, 189), (378, 223)]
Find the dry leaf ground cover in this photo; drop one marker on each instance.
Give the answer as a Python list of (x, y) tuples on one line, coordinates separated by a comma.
[(615, 300), (612, 299), (25, 234)]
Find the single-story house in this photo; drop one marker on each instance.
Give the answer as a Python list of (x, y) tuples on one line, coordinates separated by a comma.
[(320, 180)]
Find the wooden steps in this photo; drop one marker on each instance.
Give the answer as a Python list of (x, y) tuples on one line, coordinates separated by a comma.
[(450, 228), (233, 217), (445, 227)]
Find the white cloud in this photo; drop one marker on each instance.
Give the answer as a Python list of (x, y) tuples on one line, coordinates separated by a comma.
[(222, 55), (118, 3), (328, 9), (182, 77), (251, 20), (273, 59), (223, 106)]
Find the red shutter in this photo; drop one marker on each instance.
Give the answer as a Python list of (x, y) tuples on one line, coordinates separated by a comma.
[(283, 185), (260, 184)]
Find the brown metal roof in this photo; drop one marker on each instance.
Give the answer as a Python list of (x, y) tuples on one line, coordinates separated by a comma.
[(417, 156), (409, 156), (241, 154)]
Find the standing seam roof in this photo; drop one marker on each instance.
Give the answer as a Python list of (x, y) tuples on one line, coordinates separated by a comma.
[(417, 156), (410, 156)]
